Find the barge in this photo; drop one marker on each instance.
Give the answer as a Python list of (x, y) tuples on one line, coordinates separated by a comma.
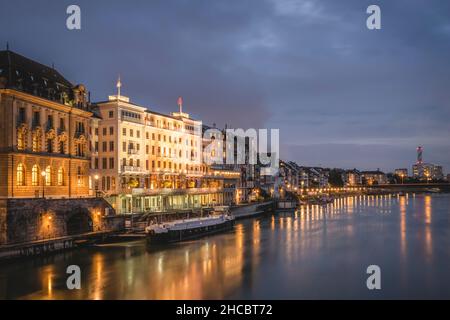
[(188, 229)]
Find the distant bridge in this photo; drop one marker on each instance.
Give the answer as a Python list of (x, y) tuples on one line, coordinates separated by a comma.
[(412, 186)]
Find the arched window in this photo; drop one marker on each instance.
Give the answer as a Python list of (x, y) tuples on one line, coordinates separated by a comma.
[(60, 177), (48, 176), (35, 175), (20, 175)]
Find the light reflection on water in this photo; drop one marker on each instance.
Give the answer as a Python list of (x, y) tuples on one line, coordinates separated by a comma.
[(316, 252)]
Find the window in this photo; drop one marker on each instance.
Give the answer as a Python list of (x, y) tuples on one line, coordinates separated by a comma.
[(49, 145), (138, 163), (79, 149), (131, 132), (147, 149), (21, 116), (104, 146), (50, 121), (104, 163), (138, 134), (79, 177), (35, 142), (111, 131), (20, 175), (104, 131), (146, 135), (146, 164), (111, 114), (36, 119), (96, 131), (61, 124), (111, 146), (60, 177), (96, 146), (111, 163), (124, 131), (124, 146), (20, 140), (96, 163), (61, 147), (35, 175), (48, 176)]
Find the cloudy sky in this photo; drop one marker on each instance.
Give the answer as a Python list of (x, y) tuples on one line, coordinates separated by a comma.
[(341, 95)]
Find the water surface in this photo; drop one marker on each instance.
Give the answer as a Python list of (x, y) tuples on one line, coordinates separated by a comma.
[(314, 253)]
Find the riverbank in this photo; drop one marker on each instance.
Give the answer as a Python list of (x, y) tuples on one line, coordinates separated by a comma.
[(134, 229)]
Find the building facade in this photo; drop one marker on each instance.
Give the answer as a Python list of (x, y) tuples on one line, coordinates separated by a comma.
[(373, 177), (147, 161), (44, 123), (352, 178)]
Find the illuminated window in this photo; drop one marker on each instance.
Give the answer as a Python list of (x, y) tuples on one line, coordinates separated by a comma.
[(20, 175), (60, 177), (35, 175), (20, 140), (35, 144), (48, 176)]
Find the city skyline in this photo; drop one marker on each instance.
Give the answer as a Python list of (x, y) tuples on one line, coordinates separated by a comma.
[(221, 70)]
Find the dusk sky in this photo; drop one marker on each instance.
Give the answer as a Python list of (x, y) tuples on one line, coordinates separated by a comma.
[(341, 95)]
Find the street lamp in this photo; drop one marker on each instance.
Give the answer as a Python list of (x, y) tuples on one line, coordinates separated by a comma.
[(402, 176), (43, 174)]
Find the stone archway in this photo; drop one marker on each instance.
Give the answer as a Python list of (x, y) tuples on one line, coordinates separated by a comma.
[(79, 222)]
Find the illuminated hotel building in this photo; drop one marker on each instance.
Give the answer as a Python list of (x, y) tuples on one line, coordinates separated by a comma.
[(146, 161), (44, 122)]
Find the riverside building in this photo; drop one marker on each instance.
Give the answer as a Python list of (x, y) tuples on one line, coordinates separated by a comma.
[(147, 161), (44, 121)]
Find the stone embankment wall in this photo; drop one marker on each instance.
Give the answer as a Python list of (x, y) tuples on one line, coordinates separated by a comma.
[(26, 220)]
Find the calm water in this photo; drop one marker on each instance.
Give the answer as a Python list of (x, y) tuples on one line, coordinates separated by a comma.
[(314, 253)]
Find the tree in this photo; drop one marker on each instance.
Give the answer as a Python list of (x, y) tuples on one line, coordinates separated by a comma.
[(335, 178)]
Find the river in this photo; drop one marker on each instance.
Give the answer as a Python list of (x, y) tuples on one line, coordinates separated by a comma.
[(314, 253)]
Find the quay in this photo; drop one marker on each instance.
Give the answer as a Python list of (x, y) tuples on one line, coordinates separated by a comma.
[(48, 246), (130, 231)]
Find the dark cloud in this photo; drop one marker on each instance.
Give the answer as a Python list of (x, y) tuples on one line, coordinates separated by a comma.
[(310, 68)]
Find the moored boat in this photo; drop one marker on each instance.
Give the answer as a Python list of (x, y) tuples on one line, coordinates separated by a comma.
[(187, 229)]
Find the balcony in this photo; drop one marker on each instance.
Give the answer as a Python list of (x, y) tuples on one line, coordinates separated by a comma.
[(133, 169), (131, 119), (132, 151), (173, 191)]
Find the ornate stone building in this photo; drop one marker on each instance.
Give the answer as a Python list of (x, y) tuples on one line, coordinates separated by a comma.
[(44, 127)]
